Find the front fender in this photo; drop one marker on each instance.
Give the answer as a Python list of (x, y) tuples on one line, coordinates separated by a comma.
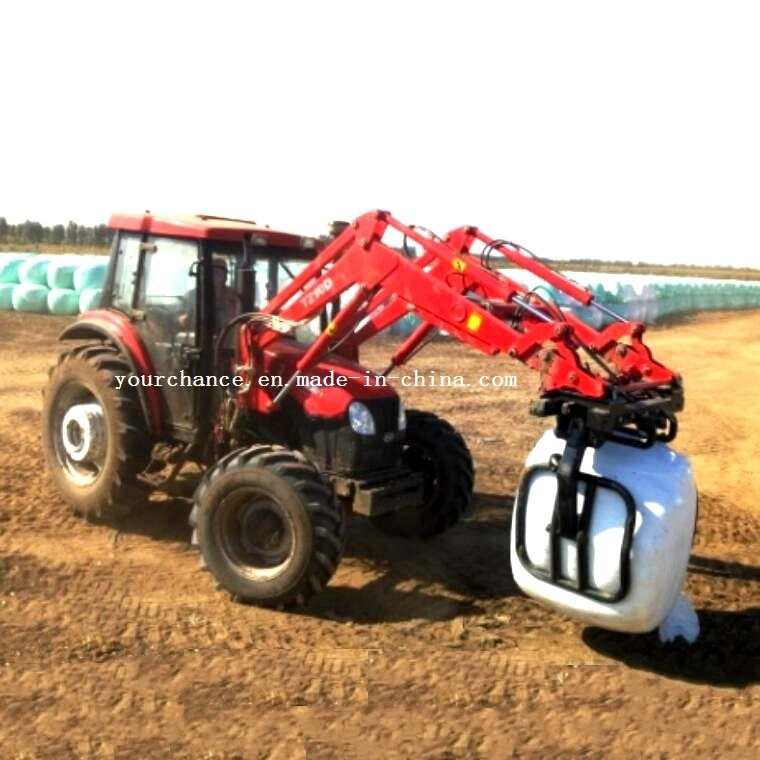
[(116, 328)]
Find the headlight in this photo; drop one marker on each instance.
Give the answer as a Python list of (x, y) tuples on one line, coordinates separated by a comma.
[(401, 416), (360, 418)]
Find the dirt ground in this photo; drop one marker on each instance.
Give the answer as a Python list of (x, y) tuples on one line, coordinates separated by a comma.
[(114, 645)]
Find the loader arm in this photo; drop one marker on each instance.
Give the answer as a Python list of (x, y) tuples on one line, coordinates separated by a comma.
[(608, 377)]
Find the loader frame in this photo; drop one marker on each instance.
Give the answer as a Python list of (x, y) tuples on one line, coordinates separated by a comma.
[(607, 378)]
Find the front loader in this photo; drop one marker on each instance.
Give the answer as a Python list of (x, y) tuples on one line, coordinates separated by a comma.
[(605, 511)]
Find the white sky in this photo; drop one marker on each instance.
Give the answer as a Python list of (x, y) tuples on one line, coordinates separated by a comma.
[(580, 129)]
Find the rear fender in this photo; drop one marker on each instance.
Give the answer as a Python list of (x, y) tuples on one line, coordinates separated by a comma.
[(116, 328)]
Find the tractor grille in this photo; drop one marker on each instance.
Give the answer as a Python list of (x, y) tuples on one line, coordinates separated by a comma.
[(344, 452)]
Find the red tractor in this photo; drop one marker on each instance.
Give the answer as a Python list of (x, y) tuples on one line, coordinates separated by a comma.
[(235, 346)]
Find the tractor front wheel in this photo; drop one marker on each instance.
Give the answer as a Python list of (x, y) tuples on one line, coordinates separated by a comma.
[(434, 448), (268, 526)]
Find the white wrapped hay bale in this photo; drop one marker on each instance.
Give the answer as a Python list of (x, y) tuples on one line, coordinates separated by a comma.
[(89, 299), (29, 296), (10, 264), (6, 295), (628, 574), (34, 271), (90, 275), (63, 301), (61, 271)]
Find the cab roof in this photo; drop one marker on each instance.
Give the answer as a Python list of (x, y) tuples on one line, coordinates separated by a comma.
[(205, 227)]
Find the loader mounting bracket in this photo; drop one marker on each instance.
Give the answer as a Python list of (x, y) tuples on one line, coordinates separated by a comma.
[(638, 420)]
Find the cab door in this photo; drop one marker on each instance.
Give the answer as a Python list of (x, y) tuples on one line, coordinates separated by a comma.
[(155, 282)]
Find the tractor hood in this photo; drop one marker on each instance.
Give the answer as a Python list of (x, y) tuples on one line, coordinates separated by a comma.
[(327, 388)]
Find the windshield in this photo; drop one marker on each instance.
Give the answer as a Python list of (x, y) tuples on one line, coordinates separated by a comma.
[(274, 268)]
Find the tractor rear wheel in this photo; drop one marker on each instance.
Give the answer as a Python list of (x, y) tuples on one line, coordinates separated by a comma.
[(436, 449), (93, 433), (268, 526)]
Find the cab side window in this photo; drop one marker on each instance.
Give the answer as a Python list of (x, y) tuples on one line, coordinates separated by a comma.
[(168, 292), (168, 274), (125, 276)]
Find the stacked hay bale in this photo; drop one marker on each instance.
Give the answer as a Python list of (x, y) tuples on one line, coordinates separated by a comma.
[(10, 264), (69, 284), (64, 284)]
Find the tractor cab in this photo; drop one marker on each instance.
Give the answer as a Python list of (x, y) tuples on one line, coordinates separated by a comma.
[(182, 281)]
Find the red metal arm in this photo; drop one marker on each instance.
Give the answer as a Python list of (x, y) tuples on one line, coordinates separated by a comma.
[(500, 316), (632, 362), (617, 349)]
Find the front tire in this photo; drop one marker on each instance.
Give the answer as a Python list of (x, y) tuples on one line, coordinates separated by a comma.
[(268, 526), (93, 433), (436, 449)]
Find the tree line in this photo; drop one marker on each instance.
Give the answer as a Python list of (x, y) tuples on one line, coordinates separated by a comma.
[(73, 234)]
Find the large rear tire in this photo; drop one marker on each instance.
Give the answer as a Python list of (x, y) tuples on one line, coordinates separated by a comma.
[(268, 526), (436, 449), (94, 436)]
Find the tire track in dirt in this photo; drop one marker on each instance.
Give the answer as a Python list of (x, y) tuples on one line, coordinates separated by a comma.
[(113, 644), (361, 701)]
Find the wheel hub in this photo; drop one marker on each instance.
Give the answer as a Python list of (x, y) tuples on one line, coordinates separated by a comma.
[(256, 534), (83, 433), (264, 534)]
